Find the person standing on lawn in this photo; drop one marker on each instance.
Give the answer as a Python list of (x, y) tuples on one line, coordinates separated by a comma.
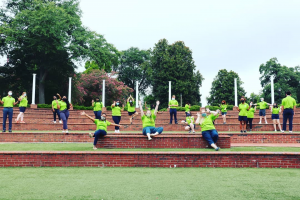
[(148, 121), (101, 129), (22, 107), (55, 110), (97, 108), (250, 116), (173, 104), (262, 109), (275, 116), (288, 106), (208, 129), (116, 114), (8, 104), (223, 107), (131, 108), (243, 111)]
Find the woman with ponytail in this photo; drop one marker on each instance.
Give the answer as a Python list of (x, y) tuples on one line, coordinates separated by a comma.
[(131, 108)]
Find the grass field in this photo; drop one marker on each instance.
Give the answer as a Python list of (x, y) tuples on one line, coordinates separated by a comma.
[(88, 147), (149, 183)]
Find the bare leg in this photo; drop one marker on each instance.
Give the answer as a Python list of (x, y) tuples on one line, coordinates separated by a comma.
[(244, 125), (192, 127), (274, 124), (260, 117), (241, 125), (266, 119), (19, 116), (22, 116), (225, 119), (278, 122)]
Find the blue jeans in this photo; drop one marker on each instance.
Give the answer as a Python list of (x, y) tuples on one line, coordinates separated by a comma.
[(64, 115), (97, 134), (211, 136), (173, 111), (151, 130), (288, 114), (9, 112), (56, 111), (117, 120), (98, 114)]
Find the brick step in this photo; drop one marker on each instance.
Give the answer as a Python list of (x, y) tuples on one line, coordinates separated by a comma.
[(120, 141), (150, 159), (138, 127)]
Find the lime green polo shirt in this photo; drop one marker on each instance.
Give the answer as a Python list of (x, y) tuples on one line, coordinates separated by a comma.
[(148, 121), (63, 105), (262, 105), (243, 109), (173, 102), (224, 108), (97, 106), (275, 110), (288, 102), (207, 124), (187, 108), (101, 125), (116, 111), (190, 119), (250, 113), (54, 103), (23, 102), (130, 108), (8, 102)]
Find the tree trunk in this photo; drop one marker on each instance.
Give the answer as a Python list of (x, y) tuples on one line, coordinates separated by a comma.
[(43, 75)]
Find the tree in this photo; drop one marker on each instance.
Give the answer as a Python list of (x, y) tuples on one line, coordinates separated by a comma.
[(47, 37), (223, 88), (135, 66), (285, 79), (174, 63), (89, 86)]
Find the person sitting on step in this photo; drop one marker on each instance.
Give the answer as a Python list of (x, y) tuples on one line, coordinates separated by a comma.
[(190, 122)]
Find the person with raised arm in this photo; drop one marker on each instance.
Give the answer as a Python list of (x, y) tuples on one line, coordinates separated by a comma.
[(55, 110), (288, 106), (148, 121), (116, 114), (190, 122), (223, 107), (101, 129), (152, 107), (275, 116), (243, 111), (22, 107), (8, 104), (208, 129), (64, 105), (250, 116), (262, 109), (131, 108), (173, 104), (97, 108)]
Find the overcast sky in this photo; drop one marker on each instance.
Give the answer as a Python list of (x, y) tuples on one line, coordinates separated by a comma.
[(235, 35)]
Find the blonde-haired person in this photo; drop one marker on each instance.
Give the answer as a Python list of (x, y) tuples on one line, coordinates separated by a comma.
[(275, 116), (22, 107)]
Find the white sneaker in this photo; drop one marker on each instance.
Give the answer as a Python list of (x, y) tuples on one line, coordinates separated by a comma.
[(63, 131), (259, 122), (54, 122), (91, 135), (266, 122), (282, 131), (290, 131), (116, 131), (59, 121)]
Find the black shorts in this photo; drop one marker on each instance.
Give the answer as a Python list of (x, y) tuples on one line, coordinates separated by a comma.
[(22, 109), (243, 118), (131, 113), (191, 127), (275, 116)]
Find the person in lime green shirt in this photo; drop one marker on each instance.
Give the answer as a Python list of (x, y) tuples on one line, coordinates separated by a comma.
[(243, 110), (262, 109), (190, 122), (275, 116), (148, 121), (116, 114), (101, 129), (97, 108), (131, 108), (55, 110), (8, 104), (288, 106), (250, 116), (64, 105), (173, 104), (223, 107), (22, 107), (152, 107), (209, 132), (187, 108)]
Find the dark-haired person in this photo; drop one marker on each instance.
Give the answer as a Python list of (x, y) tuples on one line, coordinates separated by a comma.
[(190, 122), (187, 108), (288, 106), (8, 104), (152, 107), (116, 114), (97, 108), (101, 129), (243, 111), (148, 121), (223, 107), (64, 105), (131, 108), (275, 116), (22, 107), (262, 110), (250, 115), (173, 104), (55, 110), (208, 129)]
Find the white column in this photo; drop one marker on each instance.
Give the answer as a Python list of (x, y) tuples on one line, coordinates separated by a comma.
[(70, 84), (33, 88), (169, 90), (235, 92), (103, 93), (272, 89), (137, 94)]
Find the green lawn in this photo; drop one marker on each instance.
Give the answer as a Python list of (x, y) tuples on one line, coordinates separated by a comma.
[(88, 147), (149, 183)]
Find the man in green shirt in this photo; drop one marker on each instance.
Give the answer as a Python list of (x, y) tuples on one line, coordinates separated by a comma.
[(8, 104), (148, 121), (262, 109), (173, 104), (288, 106)]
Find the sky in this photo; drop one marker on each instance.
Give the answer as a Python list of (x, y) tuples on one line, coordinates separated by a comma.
[(235, 35)]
